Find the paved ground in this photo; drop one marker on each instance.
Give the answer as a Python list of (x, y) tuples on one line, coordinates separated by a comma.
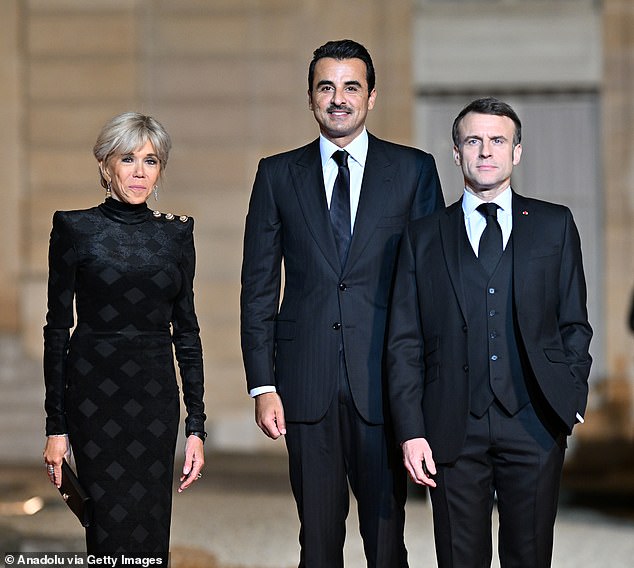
[(241, 514)]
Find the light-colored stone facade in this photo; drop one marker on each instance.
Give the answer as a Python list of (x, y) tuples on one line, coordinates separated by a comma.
[(618, 208), (228, 80)]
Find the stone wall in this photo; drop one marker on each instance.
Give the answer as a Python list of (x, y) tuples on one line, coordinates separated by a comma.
[(12, 167), (618, 191), (228, 80)]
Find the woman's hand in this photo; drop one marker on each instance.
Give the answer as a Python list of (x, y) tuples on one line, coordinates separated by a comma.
[(194, 461), (57, 448)]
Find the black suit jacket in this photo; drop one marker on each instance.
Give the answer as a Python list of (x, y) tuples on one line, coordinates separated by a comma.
[(427, 359), (295, 346)]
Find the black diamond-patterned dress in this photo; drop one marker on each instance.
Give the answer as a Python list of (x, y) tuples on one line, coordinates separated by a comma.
[(112, 384)]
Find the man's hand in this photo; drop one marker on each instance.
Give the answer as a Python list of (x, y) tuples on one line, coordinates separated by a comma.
[(269, 414), (419, 462)]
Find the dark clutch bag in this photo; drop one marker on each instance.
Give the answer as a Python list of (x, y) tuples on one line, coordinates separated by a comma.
[(75, 496)]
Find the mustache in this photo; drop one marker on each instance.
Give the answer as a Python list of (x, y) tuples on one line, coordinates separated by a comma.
[(344, 108)]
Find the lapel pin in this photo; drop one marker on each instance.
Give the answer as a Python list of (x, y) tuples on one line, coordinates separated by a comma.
[(524, 212)]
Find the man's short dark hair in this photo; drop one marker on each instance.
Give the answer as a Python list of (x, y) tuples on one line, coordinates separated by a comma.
[(488, 105), (343, 49)]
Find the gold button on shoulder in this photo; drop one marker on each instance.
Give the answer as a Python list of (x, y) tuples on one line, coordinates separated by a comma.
[(156, 214), (183, 218), (169, 216)]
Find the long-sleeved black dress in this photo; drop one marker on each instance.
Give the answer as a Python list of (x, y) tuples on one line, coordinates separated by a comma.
[(112, 384)]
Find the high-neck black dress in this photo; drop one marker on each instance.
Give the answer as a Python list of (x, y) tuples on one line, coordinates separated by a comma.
[(112, 384)]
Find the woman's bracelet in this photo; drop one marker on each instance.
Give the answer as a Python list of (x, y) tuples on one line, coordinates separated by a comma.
[(201, 435)]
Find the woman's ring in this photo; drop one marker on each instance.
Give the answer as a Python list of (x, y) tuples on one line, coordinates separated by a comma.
[(50, 468), (199, 475)]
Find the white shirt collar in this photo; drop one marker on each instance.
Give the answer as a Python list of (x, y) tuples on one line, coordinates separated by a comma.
[(358, 148), (470, 202)]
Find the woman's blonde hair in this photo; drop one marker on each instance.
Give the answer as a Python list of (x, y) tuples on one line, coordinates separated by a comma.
[(127, 132)]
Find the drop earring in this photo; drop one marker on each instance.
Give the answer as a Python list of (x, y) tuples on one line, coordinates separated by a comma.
[(155, 190), (109, 190)]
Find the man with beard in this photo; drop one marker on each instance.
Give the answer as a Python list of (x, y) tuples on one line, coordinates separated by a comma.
[(333, 213)]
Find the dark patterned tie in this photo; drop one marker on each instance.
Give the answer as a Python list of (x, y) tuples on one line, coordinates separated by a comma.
[(490, 247), (340, 205)]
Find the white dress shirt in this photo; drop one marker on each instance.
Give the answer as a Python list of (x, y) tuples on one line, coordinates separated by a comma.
[(358, 150), (475, 222)]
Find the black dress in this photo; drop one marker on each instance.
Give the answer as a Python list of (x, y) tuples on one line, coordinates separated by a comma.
[(112, 385)]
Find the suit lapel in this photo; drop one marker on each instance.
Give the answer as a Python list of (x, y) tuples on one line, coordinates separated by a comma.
[(523, 236), (524, 229), (308, 182), (375, 190), (451, 235)]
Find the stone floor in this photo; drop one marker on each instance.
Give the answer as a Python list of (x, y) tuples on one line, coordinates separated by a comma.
[(241, 515)]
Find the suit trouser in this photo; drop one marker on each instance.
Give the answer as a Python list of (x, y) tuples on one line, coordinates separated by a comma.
[(323, 458), (516, 458)]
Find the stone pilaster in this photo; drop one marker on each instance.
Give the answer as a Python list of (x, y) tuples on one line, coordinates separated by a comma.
[(618, 190), (12, 166)]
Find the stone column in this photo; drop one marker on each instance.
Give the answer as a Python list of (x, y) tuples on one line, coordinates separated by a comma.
[(12, 167), (618, 189)]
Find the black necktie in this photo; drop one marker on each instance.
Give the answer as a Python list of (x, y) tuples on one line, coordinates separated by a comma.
[(490, 247), (340, 205)]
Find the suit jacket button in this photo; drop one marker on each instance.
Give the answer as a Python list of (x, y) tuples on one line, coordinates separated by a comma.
[(465, 368), (464, 328), (343, 287), (336, 326)]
